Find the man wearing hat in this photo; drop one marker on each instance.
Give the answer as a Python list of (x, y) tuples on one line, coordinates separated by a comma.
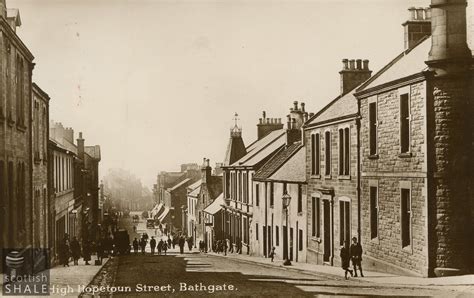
[(356, 256)]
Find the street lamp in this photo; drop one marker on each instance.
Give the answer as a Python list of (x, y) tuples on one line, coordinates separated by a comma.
[(286, 199)]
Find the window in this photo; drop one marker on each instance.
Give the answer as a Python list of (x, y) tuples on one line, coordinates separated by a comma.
[(374, 211), (227, 184), (344, 155), (272, 197), (327, 140), (315, 215), (199, 217), (344, 222), (315, 154), (404, 123), (277, 235), (256, 231), (373, 128), (257, 194), (300, 199), (245, 190), (300, 240), (239, 177), (406, 217)]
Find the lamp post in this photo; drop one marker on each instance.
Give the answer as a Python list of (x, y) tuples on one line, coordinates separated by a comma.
[(286, 199)]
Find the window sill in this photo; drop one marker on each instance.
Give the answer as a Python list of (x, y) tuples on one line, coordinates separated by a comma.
[(405, 155), (300, 213), (374, 156), (315, 176), (344, 177), (408, 249), (316, 239), (327, 177), (21, 127)]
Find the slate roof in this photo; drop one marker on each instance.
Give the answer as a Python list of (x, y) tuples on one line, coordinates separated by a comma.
[(93, 151), (276, 161), (195, 189), (262, 148), (176, 186), (409, 62), (294, 169), (215, 186), (235, 150), (215, 206), (341, 106)]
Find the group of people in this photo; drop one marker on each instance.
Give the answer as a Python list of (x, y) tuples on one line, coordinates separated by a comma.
[(354, 254), (163, 245), (71, 249)]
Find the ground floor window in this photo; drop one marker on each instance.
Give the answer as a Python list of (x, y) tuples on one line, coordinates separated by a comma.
[(277, 235), (406, 216), (344, 222)]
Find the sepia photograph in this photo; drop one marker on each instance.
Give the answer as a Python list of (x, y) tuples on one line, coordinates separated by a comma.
[(237, 148)]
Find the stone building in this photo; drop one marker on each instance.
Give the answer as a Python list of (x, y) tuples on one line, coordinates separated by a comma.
[(16, 66), (193, 191), (283, 173), (40, 192), (166, 180), (331, 138), (240, 164), (62, 161), (213, 222), (416, 151)]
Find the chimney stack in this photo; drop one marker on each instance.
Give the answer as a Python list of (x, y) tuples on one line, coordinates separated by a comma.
[(417, 26), (267, 125), (205, 171), (353, 76), (80, 146)]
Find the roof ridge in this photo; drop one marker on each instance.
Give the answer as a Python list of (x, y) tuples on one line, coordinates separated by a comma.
[(262, 148)]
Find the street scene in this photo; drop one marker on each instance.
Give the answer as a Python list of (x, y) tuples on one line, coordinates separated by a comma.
[(237, 148)]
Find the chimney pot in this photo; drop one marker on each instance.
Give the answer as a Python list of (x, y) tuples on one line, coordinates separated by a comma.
[(264, 115), (295, 104), (311, 115), (260, 120), (80, 135), (302, 106), (411, 13), (366, 64), (351, 64), (345, 64), (428, 13), (359, 64), (419, 13)]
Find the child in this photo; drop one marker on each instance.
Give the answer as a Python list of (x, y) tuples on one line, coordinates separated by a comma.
[(345, 259), (272, 253)]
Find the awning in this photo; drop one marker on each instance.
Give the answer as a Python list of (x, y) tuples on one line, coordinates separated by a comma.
[(164, 214), (215, 206), (156, 210)]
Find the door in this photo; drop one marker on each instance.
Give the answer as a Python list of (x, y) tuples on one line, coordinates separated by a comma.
[(264, 241), (327, 230), (269, 240)]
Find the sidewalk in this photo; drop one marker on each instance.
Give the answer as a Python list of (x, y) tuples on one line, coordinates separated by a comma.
[(69, 281), (460, 283)]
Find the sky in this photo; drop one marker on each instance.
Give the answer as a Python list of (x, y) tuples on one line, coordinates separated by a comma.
[(156, 83)]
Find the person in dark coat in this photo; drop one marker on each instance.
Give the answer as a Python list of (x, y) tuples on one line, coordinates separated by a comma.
[(75, 250), (356, 256), (190, 243), (100, 249), (135, 245), (272, 253), (143, 244), (345, 259), (152, 245), (164, 247), (169, 242), (64, 251), (86, 251), (181, 244), (160, 246)]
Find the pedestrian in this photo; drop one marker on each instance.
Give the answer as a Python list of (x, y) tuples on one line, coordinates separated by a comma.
[(64, 251), (160, 246), (356, 256), (190, 243), (175, 241), (75, 250), (100, 251), (86, 251), (239, 245), (345, 260), (181, 244), (272, 253), (165, 247), (143, 245), (169, 242), (152, 245), (135, 245)]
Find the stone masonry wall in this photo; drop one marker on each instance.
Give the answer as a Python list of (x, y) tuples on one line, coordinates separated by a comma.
[(344, 187), (389, 169)]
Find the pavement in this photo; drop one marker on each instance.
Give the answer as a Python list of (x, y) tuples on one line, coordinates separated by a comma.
[(69, 281)]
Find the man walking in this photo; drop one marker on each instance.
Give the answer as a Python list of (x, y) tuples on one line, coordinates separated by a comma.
[(75, 250), (181, 244), (152, 245), (356, 256), (135, 245)]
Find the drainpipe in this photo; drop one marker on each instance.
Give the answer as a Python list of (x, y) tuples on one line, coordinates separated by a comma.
[(359, 233), (266, 229)]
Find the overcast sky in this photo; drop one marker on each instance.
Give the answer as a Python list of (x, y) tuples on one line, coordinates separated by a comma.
[(156, 83)]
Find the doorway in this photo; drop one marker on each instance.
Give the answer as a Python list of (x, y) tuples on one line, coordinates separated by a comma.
[(327, 230)]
